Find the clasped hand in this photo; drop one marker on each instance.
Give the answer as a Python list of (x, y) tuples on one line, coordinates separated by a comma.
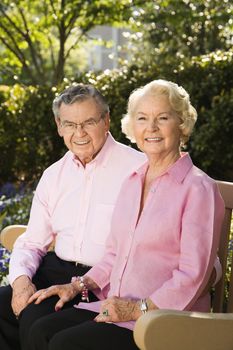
[(65, 292), (115, 309)]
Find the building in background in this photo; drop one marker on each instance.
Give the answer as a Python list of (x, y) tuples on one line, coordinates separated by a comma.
[(107, 48)]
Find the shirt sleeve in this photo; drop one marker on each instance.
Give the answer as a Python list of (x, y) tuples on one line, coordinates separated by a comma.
[(218, 270), (101, 272), (33, 244), (200, 231)]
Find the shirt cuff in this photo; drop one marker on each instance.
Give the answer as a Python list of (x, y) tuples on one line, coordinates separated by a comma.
[(218, 270)]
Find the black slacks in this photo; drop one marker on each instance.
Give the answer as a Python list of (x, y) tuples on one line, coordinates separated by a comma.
[(75, 330), (14, 333)]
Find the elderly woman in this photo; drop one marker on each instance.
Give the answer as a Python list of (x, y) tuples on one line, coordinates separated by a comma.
[(163, 241)]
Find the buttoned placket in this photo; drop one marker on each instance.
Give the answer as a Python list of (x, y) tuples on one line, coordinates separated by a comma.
[(85, 200), (133, 232), (130, 243)]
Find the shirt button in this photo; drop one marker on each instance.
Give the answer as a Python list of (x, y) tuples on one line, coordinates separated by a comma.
[(153, 190)]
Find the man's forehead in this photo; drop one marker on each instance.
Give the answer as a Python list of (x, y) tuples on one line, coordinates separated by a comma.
[(79, 111), (89, 104)]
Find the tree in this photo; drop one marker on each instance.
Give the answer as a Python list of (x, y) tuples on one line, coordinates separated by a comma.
[(173, 31), (39, 36)]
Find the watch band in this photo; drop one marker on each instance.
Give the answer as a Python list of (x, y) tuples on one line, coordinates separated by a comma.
[(143, 306)]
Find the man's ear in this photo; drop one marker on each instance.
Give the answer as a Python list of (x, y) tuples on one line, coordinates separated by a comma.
[(59, 129), (107, 121)]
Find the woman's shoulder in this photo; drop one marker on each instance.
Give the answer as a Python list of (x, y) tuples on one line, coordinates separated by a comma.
[(198, 178)]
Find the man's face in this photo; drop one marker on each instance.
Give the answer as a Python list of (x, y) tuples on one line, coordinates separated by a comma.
[(87, 138)]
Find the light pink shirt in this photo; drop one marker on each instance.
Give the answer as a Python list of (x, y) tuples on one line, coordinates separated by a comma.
[(167, 254), (74, 205)]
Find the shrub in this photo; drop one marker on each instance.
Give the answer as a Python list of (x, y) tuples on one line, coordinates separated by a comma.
[(4, 263), (29, 140), (15, 203)]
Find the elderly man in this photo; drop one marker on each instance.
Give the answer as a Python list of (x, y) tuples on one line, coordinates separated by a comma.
[(73, 204)]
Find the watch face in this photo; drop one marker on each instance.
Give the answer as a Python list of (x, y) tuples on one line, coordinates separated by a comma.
[(143, 306)]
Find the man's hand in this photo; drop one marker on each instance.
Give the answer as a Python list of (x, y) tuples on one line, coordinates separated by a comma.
[(66, 292), (23, 289)]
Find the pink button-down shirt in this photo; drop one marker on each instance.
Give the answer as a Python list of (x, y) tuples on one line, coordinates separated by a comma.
[(74, 205), (168, 253)]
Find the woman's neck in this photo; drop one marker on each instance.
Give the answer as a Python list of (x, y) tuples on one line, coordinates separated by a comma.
[(158, 165)]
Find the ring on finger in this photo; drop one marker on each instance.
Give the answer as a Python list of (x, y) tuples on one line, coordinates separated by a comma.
[(105, 312)]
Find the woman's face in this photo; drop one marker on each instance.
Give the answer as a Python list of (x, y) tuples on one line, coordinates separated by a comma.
[(156, 126)]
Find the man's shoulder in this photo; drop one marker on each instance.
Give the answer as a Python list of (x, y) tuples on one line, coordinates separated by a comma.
[(59, 164), (128, 151), (124, 159)]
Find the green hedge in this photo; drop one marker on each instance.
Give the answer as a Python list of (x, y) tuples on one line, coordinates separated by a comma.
[(28, 137)]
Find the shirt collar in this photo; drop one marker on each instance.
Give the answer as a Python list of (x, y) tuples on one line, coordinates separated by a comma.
[(178, 170)]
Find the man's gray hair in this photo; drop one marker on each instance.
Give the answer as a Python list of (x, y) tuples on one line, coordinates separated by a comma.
[(79, 92)]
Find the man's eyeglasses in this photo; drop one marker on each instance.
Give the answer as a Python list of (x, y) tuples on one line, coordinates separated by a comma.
[(88, 125)]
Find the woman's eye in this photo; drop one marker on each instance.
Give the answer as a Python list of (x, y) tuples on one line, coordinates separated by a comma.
[(141, 118), (163, 117)]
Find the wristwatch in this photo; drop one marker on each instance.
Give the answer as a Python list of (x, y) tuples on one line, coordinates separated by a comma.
[(143, 306)]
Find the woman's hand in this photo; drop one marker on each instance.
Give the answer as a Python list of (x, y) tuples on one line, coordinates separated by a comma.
[(23, 288), (66, 292), (117, 309)]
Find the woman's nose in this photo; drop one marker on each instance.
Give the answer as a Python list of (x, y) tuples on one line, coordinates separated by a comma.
[(153, 124)]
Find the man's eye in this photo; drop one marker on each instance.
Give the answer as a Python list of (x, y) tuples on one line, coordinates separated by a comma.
[(69, 125), (89, 122)]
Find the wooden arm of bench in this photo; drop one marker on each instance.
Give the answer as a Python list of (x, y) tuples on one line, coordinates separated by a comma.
[(184, 330), (9, 234)]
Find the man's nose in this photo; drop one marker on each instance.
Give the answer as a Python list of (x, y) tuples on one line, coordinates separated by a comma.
[(79, 129)]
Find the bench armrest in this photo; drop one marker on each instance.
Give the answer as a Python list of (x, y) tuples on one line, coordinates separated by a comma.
[(182, 330), (9, 234)]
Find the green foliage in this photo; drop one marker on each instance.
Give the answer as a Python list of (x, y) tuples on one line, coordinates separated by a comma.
[(209, 80), (15, 203), (29, 140), (4, 264), (174, 31), (211, 90), (38, 37), (14, 206)]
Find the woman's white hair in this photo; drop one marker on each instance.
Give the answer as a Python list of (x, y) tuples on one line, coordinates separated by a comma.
[(179, 101)]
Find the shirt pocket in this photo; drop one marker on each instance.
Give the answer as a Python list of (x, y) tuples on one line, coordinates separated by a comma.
[(101, 223)]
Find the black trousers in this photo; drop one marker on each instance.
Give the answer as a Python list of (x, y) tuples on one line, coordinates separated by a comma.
[(14, 333), (75, 330)]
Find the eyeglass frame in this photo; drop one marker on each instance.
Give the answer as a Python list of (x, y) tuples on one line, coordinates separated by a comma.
[(82, 125)]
